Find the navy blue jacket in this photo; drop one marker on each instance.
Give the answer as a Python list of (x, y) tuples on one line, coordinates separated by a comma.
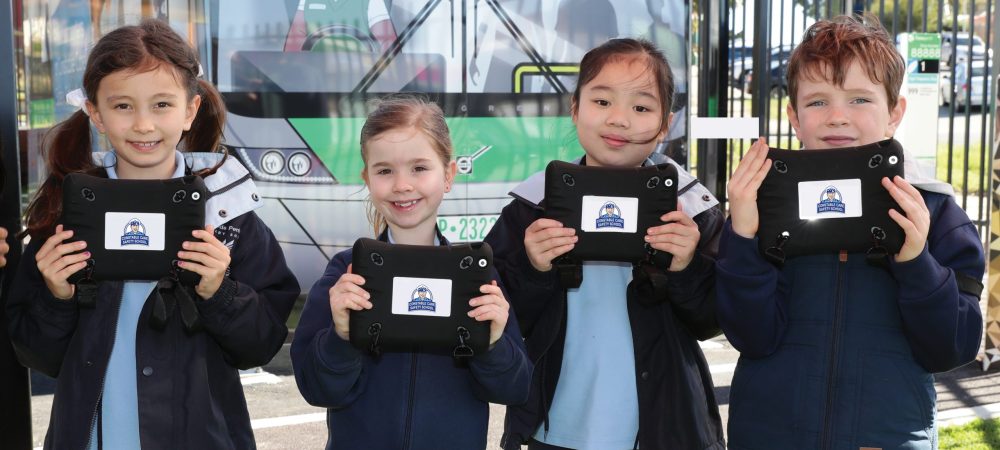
[(189, 388), (415, 400), (677, 408), (837, 353)]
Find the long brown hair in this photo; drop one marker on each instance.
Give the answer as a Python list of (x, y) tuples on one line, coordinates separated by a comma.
[(401, 112), (138, 48)]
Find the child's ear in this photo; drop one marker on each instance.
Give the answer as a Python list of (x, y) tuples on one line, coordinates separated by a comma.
[(896, 116), (666, 129), (95, 116), (449, 175), (364, 175), (573, 110), (191, 111)]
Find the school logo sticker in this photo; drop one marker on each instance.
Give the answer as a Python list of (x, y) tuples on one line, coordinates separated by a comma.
[(610, 216), (603, 214), (134, 231), (135, 234), (422, 300), (831, 201), (412, 296)]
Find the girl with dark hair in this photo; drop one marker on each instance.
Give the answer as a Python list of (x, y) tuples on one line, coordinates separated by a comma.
[(617, 367), (121, 384)]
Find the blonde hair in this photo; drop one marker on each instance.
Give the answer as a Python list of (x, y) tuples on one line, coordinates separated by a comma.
[(401, 112)]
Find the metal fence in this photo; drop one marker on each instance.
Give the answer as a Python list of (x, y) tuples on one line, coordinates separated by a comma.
[(762, 33)]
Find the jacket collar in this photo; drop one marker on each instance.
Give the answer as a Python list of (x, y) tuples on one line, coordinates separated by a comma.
[(232, 191)]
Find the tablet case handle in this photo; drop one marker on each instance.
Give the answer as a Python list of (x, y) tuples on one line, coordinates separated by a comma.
[(570, 272)]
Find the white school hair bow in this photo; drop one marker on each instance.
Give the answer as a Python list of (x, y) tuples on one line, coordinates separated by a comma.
[(77, 99)]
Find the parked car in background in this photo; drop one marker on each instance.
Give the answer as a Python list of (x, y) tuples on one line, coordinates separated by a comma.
[(968, 88), (739, 69), (777, 82), (961, 46)]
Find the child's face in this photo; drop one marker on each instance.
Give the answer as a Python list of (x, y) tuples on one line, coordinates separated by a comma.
[(143, 115), (407, 179), (830, 116), (619, 115)]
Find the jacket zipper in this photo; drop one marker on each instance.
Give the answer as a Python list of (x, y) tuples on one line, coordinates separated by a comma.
[(409, 403), (834, 351), (100, 395)]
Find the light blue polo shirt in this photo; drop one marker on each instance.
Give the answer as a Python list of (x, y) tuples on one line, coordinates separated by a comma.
[(596, 405), (119, 399)]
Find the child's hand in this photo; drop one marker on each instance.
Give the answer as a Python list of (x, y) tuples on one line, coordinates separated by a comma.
[(209, 258), (4, 248), (679, 237), (545, 240), (917, 220), (493, 307), (56, 263), (347, 294), (742, 189)]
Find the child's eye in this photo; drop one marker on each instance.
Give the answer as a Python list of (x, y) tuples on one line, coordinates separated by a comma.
[(122, 106), (816, 103), (162, 105), (640, 108), (602, 102), (383, 172), (419, 168), (861, 100)]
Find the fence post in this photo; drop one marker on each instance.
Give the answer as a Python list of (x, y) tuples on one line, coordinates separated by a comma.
[(15, 395)]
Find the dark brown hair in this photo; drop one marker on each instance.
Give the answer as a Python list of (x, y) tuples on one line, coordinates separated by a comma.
[(140, 48), (830, 46), (402, 112), (622, 49)]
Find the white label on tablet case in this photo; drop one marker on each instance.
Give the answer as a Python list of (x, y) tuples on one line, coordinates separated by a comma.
[(829, 199), (609, 214), (421, 296), (134, 231)]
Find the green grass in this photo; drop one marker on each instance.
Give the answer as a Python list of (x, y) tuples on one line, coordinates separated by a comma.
[(957, 165), (975, 435)]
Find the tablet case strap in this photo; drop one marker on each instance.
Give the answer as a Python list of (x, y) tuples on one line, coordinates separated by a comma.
[(878, 255), (462, 351), (570, 272), (969, 285), (649, 284), (774, 253), (86, 288), (375, 331), (170, 293)]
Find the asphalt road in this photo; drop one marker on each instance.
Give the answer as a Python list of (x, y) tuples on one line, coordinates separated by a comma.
[(283, 420)]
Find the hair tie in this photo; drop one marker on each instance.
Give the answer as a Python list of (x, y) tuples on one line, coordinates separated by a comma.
[(77, 99), (201, 71)]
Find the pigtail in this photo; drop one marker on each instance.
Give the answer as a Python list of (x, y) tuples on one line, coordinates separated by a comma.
[(68, 150), (379, 224), (205, 134)]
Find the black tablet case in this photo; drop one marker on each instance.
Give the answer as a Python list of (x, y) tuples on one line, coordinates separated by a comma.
[(655, 186), (777, 201), (468, 266), (87, 198)]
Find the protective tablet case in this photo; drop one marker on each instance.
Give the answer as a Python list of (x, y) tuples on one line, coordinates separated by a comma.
[(133, 228), (825, 201), (611, 208), (420, 297)]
